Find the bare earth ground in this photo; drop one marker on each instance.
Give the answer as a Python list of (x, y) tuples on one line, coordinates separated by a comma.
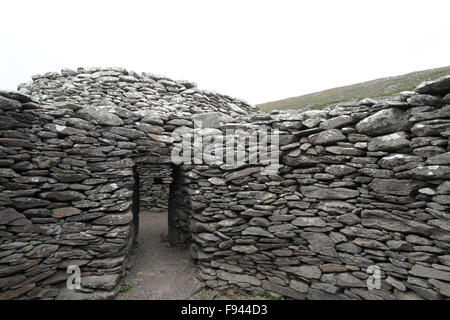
[(160, 272)]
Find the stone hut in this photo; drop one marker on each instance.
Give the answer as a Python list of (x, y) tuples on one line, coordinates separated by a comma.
[(361, 187)]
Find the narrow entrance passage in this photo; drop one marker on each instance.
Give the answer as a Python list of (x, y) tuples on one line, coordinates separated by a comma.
[(158, 270)]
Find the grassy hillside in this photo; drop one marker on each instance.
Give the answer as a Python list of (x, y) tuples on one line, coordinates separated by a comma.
[(374, 88)]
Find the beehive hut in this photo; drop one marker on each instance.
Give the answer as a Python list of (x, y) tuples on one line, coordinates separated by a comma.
[(361, 184)]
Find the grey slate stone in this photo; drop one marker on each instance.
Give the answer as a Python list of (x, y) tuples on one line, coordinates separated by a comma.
[(328, 193), (430, 273), (390, 142), (439, 86), (327, 137), (383, 122)]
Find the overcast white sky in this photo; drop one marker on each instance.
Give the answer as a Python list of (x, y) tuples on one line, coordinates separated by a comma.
[(255, 50)]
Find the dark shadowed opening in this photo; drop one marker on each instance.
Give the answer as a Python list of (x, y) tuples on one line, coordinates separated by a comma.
[(162, 266), (177, 232), (136, 204), (177, 216)]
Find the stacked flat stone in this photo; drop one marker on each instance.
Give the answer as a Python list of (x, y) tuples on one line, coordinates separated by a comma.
[(155, 97), (68, 162), (361, 184), (157, 100), (154, 184)]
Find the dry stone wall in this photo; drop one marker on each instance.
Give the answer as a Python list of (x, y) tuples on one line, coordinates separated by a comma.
[(361, 185), (68, 172), (154, 184), (161, 103)]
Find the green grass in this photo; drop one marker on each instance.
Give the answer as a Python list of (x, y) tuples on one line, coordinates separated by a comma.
[(268, 296), (126, 288), (374, 88), (202, 293)]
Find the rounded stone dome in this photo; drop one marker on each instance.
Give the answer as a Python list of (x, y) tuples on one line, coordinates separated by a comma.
[(136, 92)]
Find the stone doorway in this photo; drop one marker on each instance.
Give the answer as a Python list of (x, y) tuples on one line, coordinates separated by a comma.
[(160, 263), (158, 189)]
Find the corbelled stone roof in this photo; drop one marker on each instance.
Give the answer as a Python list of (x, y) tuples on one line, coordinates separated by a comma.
[(139, 92)]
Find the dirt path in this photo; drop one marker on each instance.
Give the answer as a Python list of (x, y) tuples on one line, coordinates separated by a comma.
[(159, 271)]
